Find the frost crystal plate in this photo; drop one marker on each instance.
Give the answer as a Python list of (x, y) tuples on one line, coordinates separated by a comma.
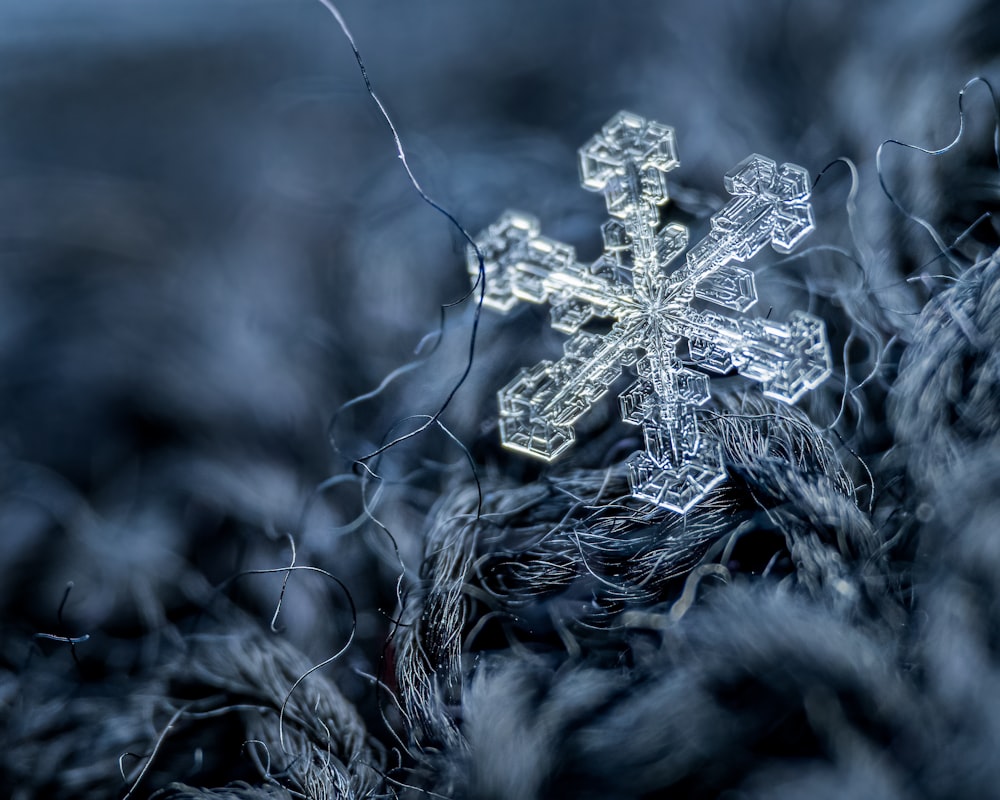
[(651, 303)]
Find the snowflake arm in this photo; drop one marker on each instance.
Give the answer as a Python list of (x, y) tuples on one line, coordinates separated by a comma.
[(539, 407)]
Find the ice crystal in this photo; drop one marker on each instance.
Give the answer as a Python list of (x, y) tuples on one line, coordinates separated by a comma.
[(651, 303)]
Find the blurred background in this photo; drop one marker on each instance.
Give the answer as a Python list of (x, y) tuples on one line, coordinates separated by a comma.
[(208, 245)]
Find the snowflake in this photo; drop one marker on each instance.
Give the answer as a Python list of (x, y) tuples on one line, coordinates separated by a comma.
[(653, 309)]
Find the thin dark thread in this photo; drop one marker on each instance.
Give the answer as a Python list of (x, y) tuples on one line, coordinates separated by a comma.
[(480, 283), (265, 771), (851, 207), (156, 749), (62, 604), (865, 256), (401, 784), (72, 641), (284, 586), (325, 662), (946, 250), (382, 690)]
